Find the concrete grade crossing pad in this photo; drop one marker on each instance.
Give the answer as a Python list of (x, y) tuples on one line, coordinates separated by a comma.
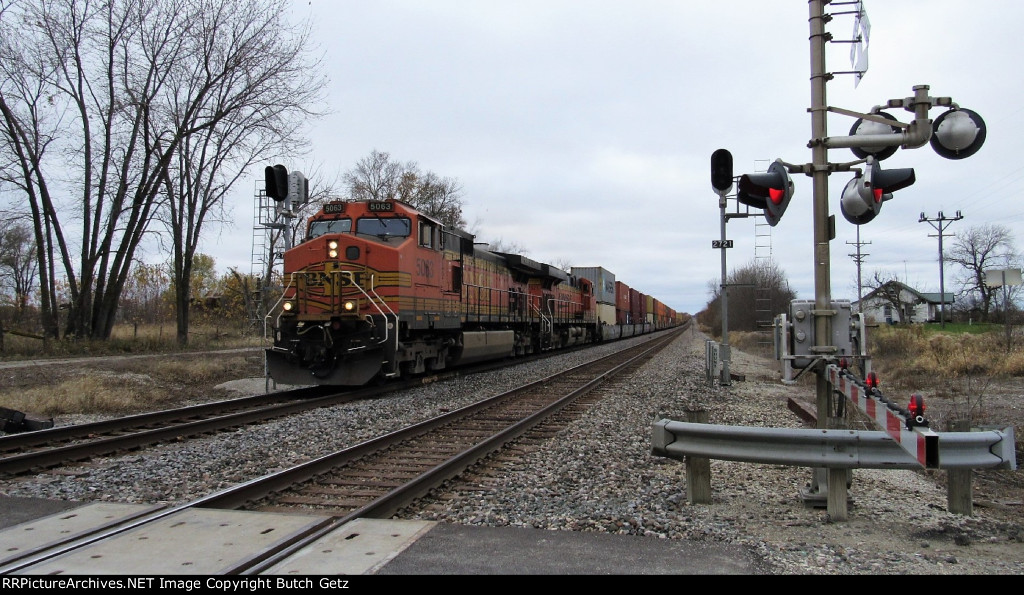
[(361, 546), (202, 541), (191, 541), (207, 542), (36, 535)]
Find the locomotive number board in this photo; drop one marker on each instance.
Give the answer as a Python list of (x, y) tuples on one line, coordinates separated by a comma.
[(334, 207), (380, 207)]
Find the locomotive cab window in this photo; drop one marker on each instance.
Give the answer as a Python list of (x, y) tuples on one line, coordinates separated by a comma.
[(427, 234), (384, 227), (323, 227)]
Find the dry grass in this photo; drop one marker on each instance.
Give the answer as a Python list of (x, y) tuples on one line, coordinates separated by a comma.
[(963, 372), (116, 386), (127, 339), (964, 375), (100, 394)]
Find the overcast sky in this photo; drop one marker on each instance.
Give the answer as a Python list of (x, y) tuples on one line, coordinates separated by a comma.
[(582, 130)]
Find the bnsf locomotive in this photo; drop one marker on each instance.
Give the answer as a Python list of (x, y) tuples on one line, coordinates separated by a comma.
[(378, 290)]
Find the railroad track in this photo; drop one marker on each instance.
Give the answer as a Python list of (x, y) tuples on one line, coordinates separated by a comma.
[(42, 449), (378, 477), (31, 451)]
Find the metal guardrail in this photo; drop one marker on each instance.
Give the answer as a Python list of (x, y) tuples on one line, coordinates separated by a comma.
[(827, 448)]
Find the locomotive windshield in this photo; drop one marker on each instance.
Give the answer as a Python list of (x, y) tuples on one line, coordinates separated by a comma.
[(319, 228), (382, 227)]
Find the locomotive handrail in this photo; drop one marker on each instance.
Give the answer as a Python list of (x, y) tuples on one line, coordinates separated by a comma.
[(490, 312), (566, 313), (291, 280), (373, 303), (540, 314)]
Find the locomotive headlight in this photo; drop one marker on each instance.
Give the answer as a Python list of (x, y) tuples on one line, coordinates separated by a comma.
[(349, 305), (288, 306), (332, 249)]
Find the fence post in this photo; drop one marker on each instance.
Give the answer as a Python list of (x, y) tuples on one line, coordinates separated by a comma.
[(698, 469), (959, 498)]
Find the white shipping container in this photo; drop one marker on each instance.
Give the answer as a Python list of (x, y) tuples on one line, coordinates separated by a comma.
[(604, 283)]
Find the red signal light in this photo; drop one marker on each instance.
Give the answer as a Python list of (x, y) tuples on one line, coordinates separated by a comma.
[(916, 405), (871, 380), (770, 190)]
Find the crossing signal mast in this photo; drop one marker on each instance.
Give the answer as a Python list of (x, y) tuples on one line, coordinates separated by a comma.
[(956, 134)]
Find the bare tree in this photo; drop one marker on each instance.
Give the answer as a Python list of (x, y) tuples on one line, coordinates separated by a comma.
[(17, 262), (441, 198), (116, 88), (981, 247), (263, 87), (377, 177), (144, 300), (30, 126), (374, 177), (748, 285)]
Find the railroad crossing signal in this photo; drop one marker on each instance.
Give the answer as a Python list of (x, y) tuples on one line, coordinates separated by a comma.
[(863, 195), (721, 171), (771, 191), (276, 180)]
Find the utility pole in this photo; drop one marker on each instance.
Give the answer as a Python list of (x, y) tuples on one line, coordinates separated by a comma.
[(858, 258), (940, 223)]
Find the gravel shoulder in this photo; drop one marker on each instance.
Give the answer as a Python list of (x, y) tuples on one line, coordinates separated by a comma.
[(599, 475)]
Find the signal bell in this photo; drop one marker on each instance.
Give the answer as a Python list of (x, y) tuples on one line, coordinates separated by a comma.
[(870, 127), (958, 134)]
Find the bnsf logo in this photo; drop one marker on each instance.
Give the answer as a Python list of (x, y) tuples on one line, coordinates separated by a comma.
[(322, 279)]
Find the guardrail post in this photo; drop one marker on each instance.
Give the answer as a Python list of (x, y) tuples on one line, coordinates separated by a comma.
[(959, 497), (698, 469), (836, 501)]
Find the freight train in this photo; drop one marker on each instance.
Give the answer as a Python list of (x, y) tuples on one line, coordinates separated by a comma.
[(378, 290)]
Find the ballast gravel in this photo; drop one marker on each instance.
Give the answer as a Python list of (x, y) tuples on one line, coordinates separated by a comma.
[(598, 474)]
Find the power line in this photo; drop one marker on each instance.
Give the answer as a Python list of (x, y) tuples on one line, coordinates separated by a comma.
[(940, 223), (858, 258)]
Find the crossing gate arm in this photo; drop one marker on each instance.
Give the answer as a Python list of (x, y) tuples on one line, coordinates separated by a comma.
[(919, 440)]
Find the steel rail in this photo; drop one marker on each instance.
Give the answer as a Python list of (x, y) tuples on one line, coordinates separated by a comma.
[(420, 485), (235, 496)]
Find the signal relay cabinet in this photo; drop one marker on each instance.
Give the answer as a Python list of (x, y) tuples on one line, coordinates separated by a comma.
[(794, 337)]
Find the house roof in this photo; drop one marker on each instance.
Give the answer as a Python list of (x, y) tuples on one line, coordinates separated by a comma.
[(930, 298)]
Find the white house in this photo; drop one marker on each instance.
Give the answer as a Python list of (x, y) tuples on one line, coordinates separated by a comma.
[(880, 305)]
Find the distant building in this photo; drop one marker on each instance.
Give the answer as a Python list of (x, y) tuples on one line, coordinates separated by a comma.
[(895, 303)]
